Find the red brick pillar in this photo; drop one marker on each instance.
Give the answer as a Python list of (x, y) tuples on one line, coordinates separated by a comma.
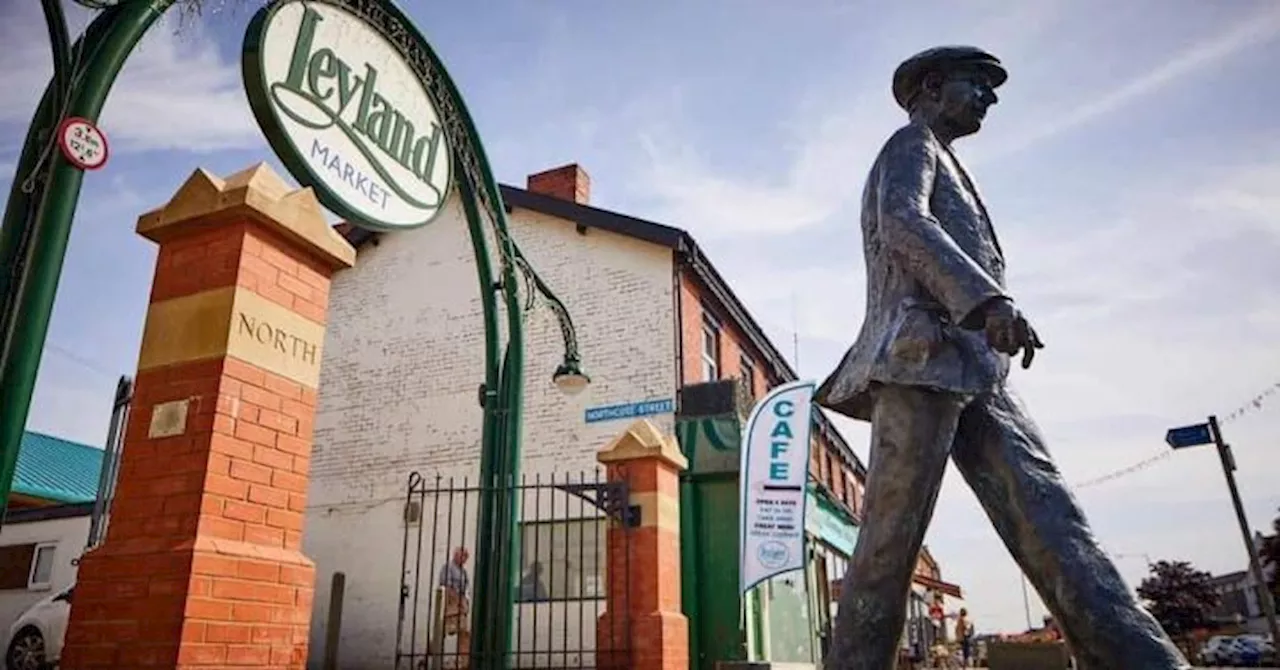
[(643, 626), (201, 566)]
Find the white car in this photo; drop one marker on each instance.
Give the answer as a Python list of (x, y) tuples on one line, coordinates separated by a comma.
[(35, 639)]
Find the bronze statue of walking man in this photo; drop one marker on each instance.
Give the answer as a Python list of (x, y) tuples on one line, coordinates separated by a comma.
[(928, 371)]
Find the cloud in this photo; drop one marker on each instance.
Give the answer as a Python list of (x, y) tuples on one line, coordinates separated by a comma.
[(1248, 32), (1246, 198), (175, 92), (814, 182), (827, 148)]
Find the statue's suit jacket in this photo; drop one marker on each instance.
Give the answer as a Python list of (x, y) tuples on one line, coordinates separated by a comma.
[(932, 260)]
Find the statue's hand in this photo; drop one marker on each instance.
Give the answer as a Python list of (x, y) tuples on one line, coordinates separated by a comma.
[(1008, 331)]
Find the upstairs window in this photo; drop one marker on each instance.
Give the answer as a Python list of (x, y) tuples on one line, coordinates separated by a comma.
[(747, 371), (710, 349)]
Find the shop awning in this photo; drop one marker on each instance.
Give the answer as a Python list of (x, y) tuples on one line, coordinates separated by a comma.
[(826, 520), (938, 585)]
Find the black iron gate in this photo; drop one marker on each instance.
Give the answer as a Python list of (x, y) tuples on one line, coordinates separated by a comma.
[(561, 546)]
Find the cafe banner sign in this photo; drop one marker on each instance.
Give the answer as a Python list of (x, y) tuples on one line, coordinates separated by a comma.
[(346, 112), (774, 472)]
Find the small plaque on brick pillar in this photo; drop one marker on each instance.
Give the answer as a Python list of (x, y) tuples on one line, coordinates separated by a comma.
[(169, 419)]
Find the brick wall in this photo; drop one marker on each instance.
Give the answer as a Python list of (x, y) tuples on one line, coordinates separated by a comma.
[(568, 182), (826, 463), (403, 361)]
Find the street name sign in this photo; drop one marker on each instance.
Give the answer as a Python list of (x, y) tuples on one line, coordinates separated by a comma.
[(630, 410), (1188, 436), (347, 114)]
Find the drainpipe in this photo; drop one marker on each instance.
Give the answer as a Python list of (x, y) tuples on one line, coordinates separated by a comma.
[(677, 285)]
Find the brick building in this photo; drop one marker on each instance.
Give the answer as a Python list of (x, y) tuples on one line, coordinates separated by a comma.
[(403, 357)]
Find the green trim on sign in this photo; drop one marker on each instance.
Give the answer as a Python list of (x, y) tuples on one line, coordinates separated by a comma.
[(260, 93)]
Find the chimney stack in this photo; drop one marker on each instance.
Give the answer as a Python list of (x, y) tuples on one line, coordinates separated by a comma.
[(569, 182)]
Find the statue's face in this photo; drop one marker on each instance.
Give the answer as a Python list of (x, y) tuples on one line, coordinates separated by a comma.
[(963, 99)]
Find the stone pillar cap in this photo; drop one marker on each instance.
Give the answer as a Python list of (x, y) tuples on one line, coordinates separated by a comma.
[(640, 440), (258, 193)]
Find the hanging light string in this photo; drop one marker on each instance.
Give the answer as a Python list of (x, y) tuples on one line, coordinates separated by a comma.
[(1254, 404)]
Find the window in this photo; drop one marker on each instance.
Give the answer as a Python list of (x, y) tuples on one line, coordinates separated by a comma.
[(710, 349), (26, 566), (562, 560), (747, 371), (42, 566)]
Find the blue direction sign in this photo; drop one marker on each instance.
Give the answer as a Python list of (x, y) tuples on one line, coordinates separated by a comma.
[(1188, 436)]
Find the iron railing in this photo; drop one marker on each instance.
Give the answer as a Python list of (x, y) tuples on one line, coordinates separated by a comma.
[(565, 523)]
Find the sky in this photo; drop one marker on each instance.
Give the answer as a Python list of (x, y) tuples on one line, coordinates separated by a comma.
[(1130, 169)]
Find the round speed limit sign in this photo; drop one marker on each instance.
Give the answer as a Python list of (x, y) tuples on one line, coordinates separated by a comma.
[(82, 143)]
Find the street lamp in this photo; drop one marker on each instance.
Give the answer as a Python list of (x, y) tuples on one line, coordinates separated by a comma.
[(496, 569), (570, 378)]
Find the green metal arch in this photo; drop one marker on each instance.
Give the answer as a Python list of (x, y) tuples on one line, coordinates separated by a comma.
[(37, 226)]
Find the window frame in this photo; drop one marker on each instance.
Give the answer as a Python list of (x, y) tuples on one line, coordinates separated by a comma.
[(600, 548), (32, 584), (710, 330), (747, 372)]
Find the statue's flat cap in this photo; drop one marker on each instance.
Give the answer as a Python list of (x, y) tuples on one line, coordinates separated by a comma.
[(909, 75)]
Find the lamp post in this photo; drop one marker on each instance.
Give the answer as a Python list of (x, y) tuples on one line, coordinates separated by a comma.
[(499, 567), (501, 395)]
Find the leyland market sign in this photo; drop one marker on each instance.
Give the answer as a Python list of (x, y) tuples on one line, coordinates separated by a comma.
[(346, 114)]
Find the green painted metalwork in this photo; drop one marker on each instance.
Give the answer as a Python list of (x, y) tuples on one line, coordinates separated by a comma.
[(42, 203), (709, 508), (690, 579), (710, 443), (37, 224), (715, 623), (497, 565)]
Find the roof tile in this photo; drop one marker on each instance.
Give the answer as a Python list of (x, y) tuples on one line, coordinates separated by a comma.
[(56, 469)]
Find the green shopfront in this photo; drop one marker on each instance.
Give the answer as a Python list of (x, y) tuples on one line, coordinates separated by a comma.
[(786, 619)]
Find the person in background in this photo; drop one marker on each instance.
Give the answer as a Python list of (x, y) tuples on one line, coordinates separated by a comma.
[(531, 587), (964, 635), (454, 583)]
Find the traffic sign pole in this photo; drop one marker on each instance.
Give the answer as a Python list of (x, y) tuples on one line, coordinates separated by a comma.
[(1255, 566)]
